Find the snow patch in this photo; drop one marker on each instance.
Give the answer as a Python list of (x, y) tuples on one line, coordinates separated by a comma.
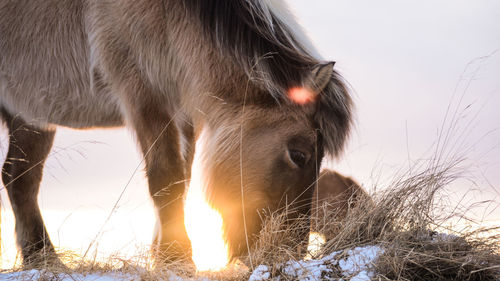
[(359, 262), (261, 272), (444, 237), (354, 264)]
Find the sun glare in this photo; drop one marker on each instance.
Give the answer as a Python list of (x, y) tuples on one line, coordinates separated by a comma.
[(203, 223), (316, 242), (300, 95)]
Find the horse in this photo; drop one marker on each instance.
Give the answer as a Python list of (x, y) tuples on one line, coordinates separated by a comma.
[(333, 197), (238, 77)]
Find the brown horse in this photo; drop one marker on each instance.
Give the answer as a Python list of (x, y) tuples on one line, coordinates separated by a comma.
[(333, 197), (237, 76)]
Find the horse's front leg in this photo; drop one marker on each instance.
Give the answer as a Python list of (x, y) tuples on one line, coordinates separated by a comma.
[(160, 143), (21, 175)]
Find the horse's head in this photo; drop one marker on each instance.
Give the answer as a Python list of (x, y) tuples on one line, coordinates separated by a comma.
[(258, 157)]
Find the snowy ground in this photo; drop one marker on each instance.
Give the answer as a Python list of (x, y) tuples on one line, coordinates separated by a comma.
[(354, 264)]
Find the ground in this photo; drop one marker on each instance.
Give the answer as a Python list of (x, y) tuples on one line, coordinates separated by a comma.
[(354, 264)]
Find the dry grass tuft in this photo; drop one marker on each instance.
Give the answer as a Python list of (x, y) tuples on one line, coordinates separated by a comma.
[(409, 219)]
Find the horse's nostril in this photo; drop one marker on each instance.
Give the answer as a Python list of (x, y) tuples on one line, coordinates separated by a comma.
[(298, 157)]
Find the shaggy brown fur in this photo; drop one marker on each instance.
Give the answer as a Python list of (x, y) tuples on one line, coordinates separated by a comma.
[(170, 69), (334, 196)]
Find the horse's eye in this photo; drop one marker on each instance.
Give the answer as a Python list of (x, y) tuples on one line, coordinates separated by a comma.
[(298, 157)]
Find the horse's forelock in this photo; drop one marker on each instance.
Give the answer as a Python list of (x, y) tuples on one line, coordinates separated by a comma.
[(334, 115)]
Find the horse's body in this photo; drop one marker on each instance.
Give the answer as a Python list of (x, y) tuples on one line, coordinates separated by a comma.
[(169, 70)]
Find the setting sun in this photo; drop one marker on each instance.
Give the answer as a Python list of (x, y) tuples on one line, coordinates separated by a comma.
[(203, 223)]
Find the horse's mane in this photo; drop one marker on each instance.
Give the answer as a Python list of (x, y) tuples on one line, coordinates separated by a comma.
[(266, 44), (257, 38)]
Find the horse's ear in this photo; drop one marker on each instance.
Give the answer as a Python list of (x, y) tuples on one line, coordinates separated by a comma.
[(320, 77), (314, 84)]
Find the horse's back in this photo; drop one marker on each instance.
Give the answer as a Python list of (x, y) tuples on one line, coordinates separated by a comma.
[(45, 73)]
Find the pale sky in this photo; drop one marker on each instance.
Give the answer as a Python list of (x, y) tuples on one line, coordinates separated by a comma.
[(405, 61)]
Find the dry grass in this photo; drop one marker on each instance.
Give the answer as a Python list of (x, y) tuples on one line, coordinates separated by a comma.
[(142, 266), (408, 220)]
